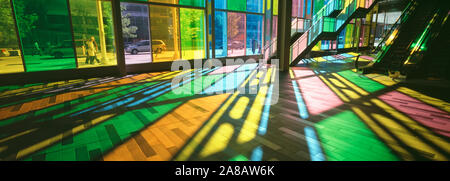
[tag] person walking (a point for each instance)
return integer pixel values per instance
(92, 49)
(36, 49)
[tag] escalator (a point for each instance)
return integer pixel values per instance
(429, 54)
(415, 23)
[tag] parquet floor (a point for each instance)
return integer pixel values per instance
(319, 110)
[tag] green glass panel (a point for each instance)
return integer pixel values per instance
(192, 22)
(93, 31)
(349, 36)
(318, 5)
(237, 5)
(46, 36)
(329, 24)
(162, 1)
(345, 137)
(275, 7)
(10, 56)
(198, 3)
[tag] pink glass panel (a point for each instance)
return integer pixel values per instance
(236, 34)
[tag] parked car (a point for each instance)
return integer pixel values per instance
(158, 46)
(4, 52)
(66, 49)
(144, 46)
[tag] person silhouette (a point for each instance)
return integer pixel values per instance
(92, 49)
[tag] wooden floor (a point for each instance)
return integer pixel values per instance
(319, 110)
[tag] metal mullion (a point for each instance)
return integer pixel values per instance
(165, 4)
(179, 33)
(245, 34)
(73, 34)
(22, 55)
(213, 29)
(118, 36)
(234, 11)
(206, 18)
(150, 33)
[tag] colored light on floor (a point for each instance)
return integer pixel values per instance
(436, 119)
(313, 145)
(106, 135)
(257, 154)
(164, 138)
(251, 124)
(190, 147)
(300, 103)
(229, 83)
(345, 137)
(318, 97)
(219, 140)
(239, 108)
(262, 129)
(362, 81)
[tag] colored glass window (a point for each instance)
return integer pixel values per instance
(220, 28)
(255, 6)
(254, 34)
(45, 34)
(164, 28)
(93, 31)
(295, 8)
(237, 5)
(198, 3)
(236, 34)
(136, 34)
(192, 23)
(220, 4)
(10, 56)
(275, 7)
(341, 38)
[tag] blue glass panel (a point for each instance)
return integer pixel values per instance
(341, 38)
(254, 34)
(309, 7)
(255, 6)
(220, 28)
(220, 4)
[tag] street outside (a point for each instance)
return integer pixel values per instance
(11, 64)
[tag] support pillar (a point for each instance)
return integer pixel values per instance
(118, 36)
(284, 33)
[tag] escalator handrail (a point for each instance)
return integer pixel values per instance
(431, 30)
(396, 25)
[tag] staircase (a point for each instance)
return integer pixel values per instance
(327, 24)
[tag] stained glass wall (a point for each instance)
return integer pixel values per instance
(92, 22)
(358, 33)
(300, 22)
(10, 54)
(45, 34)
(220, 27)
(192, 22)
(136, 33)
(56, 35)
(254, 34)
(238, 27)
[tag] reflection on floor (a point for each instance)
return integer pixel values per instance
(319, 110)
